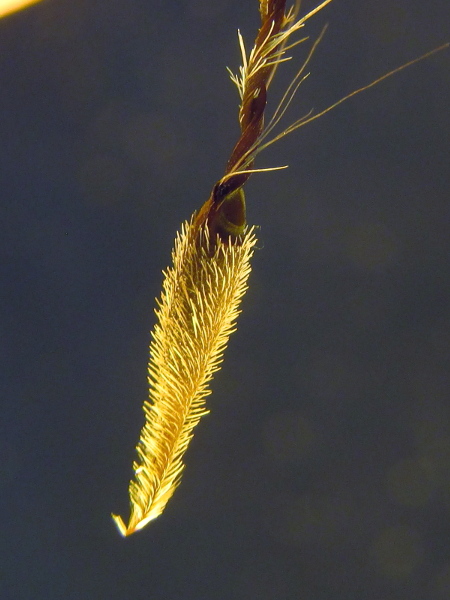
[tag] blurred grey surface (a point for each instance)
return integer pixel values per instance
(323, 470)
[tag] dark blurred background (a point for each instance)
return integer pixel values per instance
(323, 470)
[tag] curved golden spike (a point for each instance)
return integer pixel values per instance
(203, 288)
(201, 294)
(196, 314)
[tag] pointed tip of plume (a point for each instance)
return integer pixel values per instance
(120, 524)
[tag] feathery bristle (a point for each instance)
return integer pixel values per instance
(196, 314)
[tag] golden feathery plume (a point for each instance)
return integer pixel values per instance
(201, 292)
(196, 315)
(203, 288)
